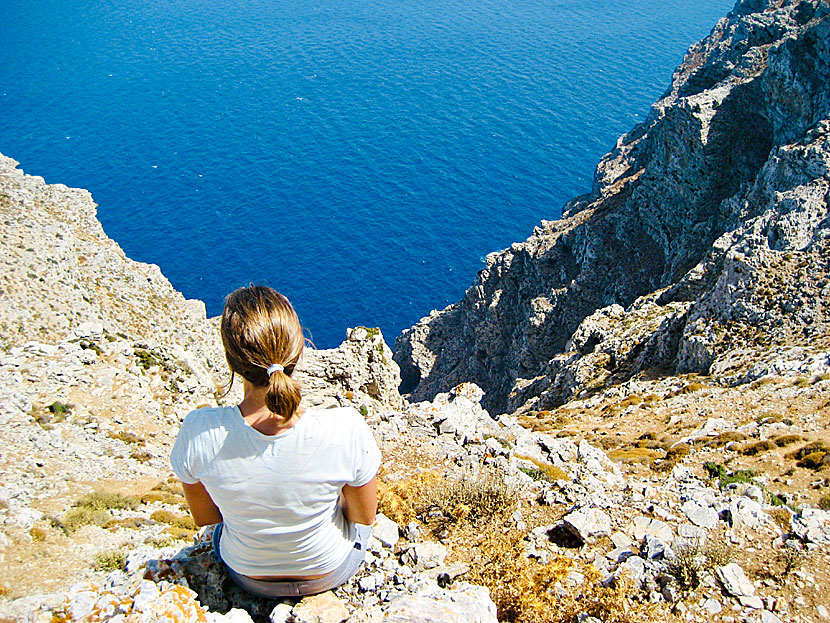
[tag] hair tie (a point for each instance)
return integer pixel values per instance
(274, 367)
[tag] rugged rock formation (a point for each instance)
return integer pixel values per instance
(714, 210)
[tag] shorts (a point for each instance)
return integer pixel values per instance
(279, 588)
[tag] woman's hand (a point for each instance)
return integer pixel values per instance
(360, 504)
(202, 506)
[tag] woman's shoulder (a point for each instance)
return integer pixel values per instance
(207, 417)
(336, 417)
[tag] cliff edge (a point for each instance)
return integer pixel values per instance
(714, 209)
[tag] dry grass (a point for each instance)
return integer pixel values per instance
(726, 438)
(786, 440)
(75, 518)
(544, 471)
(527, 591)
(100, 500)
(173, 519)
(757, 447)
(635, 455)
(110, 561)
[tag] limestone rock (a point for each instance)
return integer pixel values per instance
(466, 604)
(323, 608)
(588, 524)
(735, 581)
(385, 530)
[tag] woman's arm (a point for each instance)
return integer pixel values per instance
(202, 507)
(360, 504)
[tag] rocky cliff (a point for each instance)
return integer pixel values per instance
(707, 222)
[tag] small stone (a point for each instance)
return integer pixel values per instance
(700, 515)
(620, 539)
(588, 523)
(712, 606)
(635, 567)
(822, 612)
(385, 530)
(619, 554)
(237, 615)
(769, 617)
(751, 601)
(280, 614)
(735, 581)
(323, 608)
(148, 592)
(654, 548)
(426, 554)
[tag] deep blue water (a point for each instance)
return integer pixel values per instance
(361, 157)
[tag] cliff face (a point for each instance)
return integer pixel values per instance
(726, 180)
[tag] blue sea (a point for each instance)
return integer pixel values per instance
(360, 156)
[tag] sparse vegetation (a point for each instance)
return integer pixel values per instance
(76, 518)
(100, 500)
(110, 561)
(694, 561)
(815, 455)
(543, 471)
(174, 519)
(757, 447)
(726, 438)
(126, 437)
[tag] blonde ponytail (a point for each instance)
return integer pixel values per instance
(283, 394)
(260, 329)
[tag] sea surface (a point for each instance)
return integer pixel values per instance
(360, 156)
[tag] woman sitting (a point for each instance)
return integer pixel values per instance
(293, 491)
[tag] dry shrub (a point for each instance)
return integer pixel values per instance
(114, 560)
(787, 440)
(689, 388)
(173, 519)
(758, 447)
(781, 516)
(75, 518)
(674, 455)
(176, 533)
(544, 471)
(814, 455)
(403, 500)
(815, 460)
(100, 500)
(527, 591)
(544, 421)
(810, 448)
(725, 438)
(824, 503)
(693, 561)
(127, 437)
(473, 497)
(634, 399)
(635, 455)
(130, 523)
(786, 560)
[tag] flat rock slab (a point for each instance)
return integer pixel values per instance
(323, 608)
(735, 581)
(588, 523)
(699, 514)
(470, 604)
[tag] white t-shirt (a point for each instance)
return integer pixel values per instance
(278, 493)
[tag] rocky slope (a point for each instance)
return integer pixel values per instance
(706, 229)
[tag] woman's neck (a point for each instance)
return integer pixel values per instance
(256, 413)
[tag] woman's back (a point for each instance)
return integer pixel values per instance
(278, 494)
